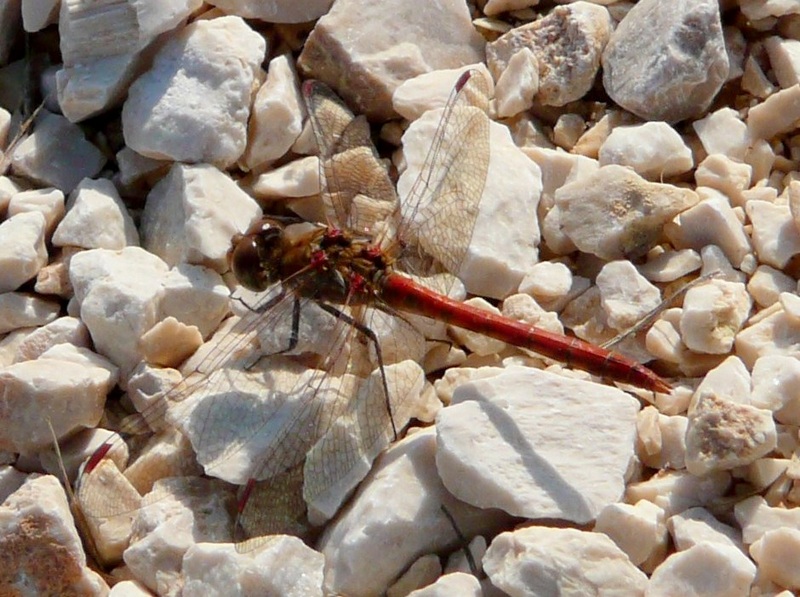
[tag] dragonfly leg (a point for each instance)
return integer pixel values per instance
(370, 335)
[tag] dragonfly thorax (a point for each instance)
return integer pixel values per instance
(341, 264)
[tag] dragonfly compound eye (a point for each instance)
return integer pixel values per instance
(255, 256)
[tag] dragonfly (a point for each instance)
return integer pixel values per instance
(337, 321)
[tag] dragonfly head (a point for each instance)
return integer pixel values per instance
(254, 257)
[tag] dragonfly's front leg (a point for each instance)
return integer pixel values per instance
(372, 337)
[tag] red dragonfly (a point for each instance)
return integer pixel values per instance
(335, 398)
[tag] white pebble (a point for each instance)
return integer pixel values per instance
(697, 525)
(775, 236)
(778, 556)
(723, 132)
(22, 249)
(713, 312)
(96, 218)
(704, 569)
(541, 561)
(178, 110)
(654, 150)
(639, 530)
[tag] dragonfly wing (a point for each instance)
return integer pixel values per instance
(350, 170)
(440, 208)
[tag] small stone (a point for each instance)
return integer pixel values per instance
(676, 491)
(56, 154)
(756, 518)
(96, 218)
(275, 11)
(567, 130)
(654, 150)
(125, 283)
(713, 313)
(775, 334)
(675, 71)
(457, 583)
(177, 110)
(775, 382)
(777, 114)
(726, 176)
(784, 56)
(277, 115)
(767, 283)
(481, 466)
(362, 67)
(72, 393)
(697, 525)
(134, 168)
(50, 202)
(704, 569)
(398, 514)
(541, 561)
(723, 435)
(108, 504)
(661, 439)
(42, 551)
(625, 295)
(639, 530)
(567, 44)
(551, 284)
(616, 214)
(22, 249)
(669, 266)
(775, 237)
(755, 81)
(192, 214)
(777, 554)
(23, 310)
(711, 222)
(69, 330)
(761, 9)
(279, 565)
(180, 512)
(298, 178)
(38, 15)
(518, 84)
(430, 91)
(723, 132)
(103, 49)
(170, 342)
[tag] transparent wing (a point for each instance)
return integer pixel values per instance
(356, 188)
(439, 211)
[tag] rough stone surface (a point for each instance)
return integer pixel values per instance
(42, 552)
(103, 48)
(20, 310)
(674, 72)
(639, 530)
(712, 221)
(723, 435)
(162, 118)
(541, 561)
(362, 62)
(57, 154)
(567, 44)
(704, 569)
(494, 442)
(277, 115)
(72, 393)
(654, 150)
(279, 565)
(712, 315)
(615, 214)
(396, 513)
(22, 249)
(192, 214)
(96, 219)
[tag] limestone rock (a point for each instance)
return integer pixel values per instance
(676, 69)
